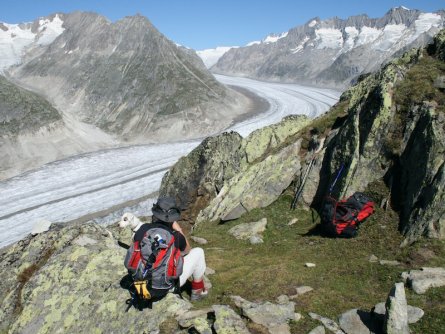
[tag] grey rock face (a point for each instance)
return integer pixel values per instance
(333, 51)
(422, 280)
(371, 137)
(127, 79)
(396, 319)
(209, 171)
(318, 330)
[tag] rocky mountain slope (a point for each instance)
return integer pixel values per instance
(111, 84)
(391, 130)
(335, 51)
(127, 79)
(33, 132)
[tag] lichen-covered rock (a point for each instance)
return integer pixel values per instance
(257, 187)
(196, 179)
(227, 321)
(272, 316)
(246, 231)
(261, 141)
(396, 319)
(60, 278)
(197, 320)
(405, 146)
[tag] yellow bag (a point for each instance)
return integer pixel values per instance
(141, 289)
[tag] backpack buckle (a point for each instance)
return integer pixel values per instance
(142, 289)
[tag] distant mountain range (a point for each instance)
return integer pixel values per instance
(112, 83)
(332, 52)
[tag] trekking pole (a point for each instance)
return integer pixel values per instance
(303, 181)
(336, 179)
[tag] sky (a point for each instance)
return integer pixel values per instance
(203, 24)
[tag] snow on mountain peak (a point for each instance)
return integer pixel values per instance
(274, 38)
(15, 38)
(211, 56)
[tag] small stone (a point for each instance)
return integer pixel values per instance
(373, 258)
(283, 299)
(301, 290)
(292, 222)
(255, 240)
(41, 226)
(199, 240)
(298, 316)
(389, 263)
(209, 271)
(309, 265)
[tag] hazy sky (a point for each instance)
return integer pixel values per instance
(202, 24)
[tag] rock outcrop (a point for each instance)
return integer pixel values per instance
(223, 171)
(393, 132)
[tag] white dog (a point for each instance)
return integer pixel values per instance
(131, 221)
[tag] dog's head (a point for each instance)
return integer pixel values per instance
(130, 220)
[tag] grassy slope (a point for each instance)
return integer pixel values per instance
(343, 277)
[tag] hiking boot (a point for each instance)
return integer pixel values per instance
(198, 294)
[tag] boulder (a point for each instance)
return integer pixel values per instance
(257, 187)
(396, 319)
(246, 231)
(196, 179)
(227, 321)
(328, 323)
(414, 313)
(56, 280)
(272, 316)
(421, 280)
(197, 320)
(356, 322)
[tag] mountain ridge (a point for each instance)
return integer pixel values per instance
(333, 52)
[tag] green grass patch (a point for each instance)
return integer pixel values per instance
(419, 85)
(343, 277)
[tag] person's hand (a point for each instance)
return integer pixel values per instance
(177, 227)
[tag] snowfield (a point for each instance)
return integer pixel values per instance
(104, 184)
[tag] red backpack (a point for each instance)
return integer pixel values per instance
(342, 218)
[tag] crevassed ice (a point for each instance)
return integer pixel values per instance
(367, 35)
(329, 38)
(50, 30)
(12, 43)
(390, 35)
(352, 33)
(17, 38)
(426, 21)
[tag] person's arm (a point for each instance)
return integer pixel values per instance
(177, 227)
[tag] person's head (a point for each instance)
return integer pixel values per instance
(165, 210)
